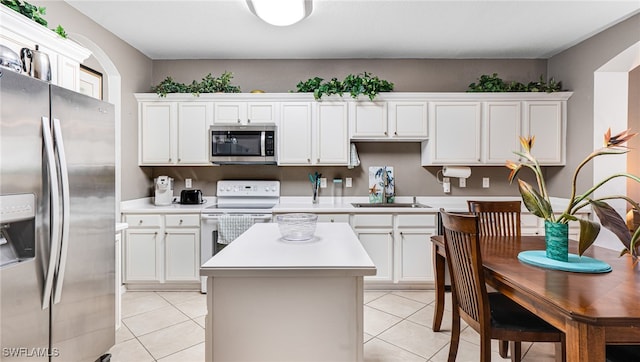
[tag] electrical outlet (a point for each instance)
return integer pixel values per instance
(463, 182)
(323, 182)
(348, 182)
(187, 183)
(446, 185)
(485, 182)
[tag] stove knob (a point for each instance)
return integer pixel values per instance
(273, 188)
(228, 188)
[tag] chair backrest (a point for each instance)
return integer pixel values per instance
(497, 218)
(462, 247)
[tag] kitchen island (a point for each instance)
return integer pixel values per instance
(271, 299)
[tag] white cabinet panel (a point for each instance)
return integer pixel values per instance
(502, 131)
(332, 134)
(142, 255)
(156, 139)
(194, 120)
(544, 120)
(408, 120)
(244, 112)
(369, 119)
(456, 128)
(182, 256)
(295, 134)
(415, 264)
(379, 246)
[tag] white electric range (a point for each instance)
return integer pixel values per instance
(252, 198)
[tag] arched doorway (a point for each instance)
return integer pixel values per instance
(610, 109)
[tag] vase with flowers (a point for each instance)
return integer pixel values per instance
(537, 201)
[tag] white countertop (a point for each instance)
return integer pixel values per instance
(334, 250)
(289, 204)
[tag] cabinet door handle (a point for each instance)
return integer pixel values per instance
(248, 120)
(395, 133)
(140, 222)
(332, 220)
(180, 221)
(318, 160)
(385, 133)
(179, 159)
(308, 160)
(156, 233)
(401, 234)
(169, 159)
(238, 120)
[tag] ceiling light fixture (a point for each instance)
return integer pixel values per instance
(281, 12)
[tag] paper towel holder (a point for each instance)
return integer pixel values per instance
(456, 171)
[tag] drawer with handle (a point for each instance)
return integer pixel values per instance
(143, 221)
(182, 220)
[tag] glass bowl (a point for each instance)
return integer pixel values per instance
(298, 226)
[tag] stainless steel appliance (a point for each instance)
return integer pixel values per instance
(240, 144)
(163, 191)
(249, 198)
(57, 216)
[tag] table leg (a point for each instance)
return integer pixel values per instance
(585, 342)
(438, 311)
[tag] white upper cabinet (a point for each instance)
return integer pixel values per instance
(368, 120)
(546, 120)
(295, 133)
(388, 120)
(332, 134)
(484, 129)
(65, 55)
(456, 133)
(174, 133)
(502, 131)
(313, 133)
(244, 112)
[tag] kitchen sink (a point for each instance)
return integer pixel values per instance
(395, 204)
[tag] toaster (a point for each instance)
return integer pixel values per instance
(191, 197)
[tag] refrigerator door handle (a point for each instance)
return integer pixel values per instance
(64, 178)
(55, 238)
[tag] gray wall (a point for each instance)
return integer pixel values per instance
(408, 75)
(576, 67)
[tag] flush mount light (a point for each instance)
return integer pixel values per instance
(281, 12)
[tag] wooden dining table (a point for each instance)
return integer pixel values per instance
(591, 309)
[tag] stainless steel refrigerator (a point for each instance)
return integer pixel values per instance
(57, 223)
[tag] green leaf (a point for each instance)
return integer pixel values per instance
(610, 219)
(533, 201)
(589, 230)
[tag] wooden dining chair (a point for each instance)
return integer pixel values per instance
(497, 218)
(492, 315)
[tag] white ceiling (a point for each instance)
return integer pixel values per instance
(226, 29)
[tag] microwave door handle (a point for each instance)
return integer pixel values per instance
(263, 151)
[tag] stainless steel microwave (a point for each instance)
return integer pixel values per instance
(242, 145)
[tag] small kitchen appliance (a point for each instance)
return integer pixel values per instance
(163, 191)
(36, 63)
(191, 197)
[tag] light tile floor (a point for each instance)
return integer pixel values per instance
(169, 326)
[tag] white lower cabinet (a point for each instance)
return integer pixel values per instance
(399, 245)
(162, 251)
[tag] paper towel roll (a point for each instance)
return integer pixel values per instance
(456, 171)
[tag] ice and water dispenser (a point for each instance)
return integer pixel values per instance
(17, 228)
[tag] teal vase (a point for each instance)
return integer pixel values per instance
(556, 237)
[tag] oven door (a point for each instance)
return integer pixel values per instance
(209, 245)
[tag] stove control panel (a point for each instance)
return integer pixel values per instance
(257, 188)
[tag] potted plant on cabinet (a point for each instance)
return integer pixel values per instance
(556, 227)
